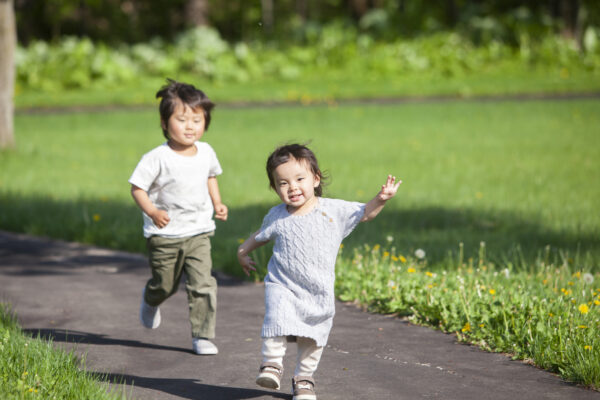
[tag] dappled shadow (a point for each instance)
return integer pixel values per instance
(69, 336)
(437, 230)
(189, 388)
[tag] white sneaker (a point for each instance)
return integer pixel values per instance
(204, 347)
(149, 315)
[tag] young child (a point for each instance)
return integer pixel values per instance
(176, 187)
(307, 230)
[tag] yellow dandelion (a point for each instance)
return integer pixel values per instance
(430, 286)
(394, 258)
(402, 259)
(545, 281)
(582, 326)
(492, 291)
(587, 347)
(481, 325)
(550, 314)
(584, 309)
(577, 274)
(411, 270)
(597, 302)
(570, 283)
(342, 246)
(429, 274)
(466, 328)
(386, 254)
(376, 247)
(97, 217)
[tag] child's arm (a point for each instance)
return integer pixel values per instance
(373, 207)
(246, 248)
(213, 190)
(159, 217)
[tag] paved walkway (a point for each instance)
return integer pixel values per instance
(88, 297)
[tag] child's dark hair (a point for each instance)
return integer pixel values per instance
(299, 152)
(188, 95)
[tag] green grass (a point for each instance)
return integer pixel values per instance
(546, 312)
(327, 86)
(33, 368)
(510, 174)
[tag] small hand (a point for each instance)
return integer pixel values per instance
(389, 189)
(221, 211)
(160, 218)
(247, 264)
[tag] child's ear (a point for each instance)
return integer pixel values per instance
(317, 181)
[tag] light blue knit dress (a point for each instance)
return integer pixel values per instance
(299, 286)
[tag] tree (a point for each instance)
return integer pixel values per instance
(196, 12)
(8, 42)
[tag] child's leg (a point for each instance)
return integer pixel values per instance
(166, 262)
(309, 355)
(271, 369)
(273, 349)
(201, 286)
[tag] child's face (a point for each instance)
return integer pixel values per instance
(295, 184)
(185, 126)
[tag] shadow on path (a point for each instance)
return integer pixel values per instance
(66, 336)
(189, 388)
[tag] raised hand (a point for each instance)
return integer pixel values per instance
(389, 189)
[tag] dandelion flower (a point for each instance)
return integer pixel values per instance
(389, 238)
(506, 272)
(492, 291)
(429, 274)
(402, 259)
(97, 217)
(386, 254)
(584, 309)
(376, 247)
(597, 302)
(582, 326)
(394, 258)
(420, 254)
(587, 347)
(466, 328)
(588, 278)
(577, 274)
(411, 270)
(481, 325)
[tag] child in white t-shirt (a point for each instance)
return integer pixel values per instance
(175, 185)
(307, 231)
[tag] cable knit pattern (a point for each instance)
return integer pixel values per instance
(299, 286)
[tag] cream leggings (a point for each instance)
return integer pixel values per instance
(309, 354)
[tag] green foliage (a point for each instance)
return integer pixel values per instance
(547, 312)
(32, 368)
(333, 50)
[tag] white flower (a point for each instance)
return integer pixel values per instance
(389, 238)
(420, 254)
(506, 272)
(588, 278)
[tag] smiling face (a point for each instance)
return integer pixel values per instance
(295, 184)
(185, 127)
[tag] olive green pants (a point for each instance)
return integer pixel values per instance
(169, 258)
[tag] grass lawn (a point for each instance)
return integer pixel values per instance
(325, 86)
(512, 174)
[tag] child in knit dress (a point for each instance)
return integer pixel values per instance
(307, 231)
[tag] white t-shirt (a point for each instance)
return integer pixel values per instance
(178, 185)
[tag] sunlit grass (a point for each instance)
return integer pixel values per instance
(547, 312)
(31, 368)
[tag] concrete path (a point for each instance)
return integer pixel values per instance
(88, 297)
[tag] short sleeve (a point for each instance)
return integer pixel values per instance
(214, 167)
(267, 229)
(145, 172)
(352, 213)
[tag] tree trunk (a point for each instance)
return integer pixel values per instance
(569, 10)
(8, 42)
(268, 18)
(196, 12)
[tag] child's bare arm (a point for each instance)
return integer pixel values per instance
(388, 190)
(221, 210)
(245, 249)
(159, 217)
